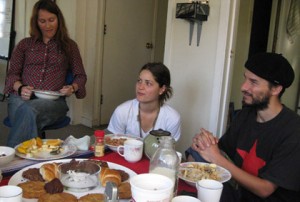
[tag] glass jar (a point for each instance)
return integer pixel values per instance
(99, 143)
(165, 160)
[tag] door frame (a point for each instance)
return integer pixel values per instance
(224, 66)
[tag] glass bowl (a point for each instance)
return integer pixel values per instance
(79, 176)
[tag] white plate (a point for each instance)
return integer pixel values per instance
(68, 150)
(224, 174)
(47, 94)
(17, 178)
(117, 136)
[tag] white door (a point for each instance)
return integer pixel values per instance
(129, 27)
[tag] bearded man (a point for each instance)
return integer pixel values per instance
(263, 140)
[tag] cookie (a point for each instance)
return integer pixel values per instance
(32, 189)
(33, 174)
(58, 197)
(92, 198)
(124, 190)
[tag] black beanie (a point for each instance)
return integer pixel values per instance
(272, 67)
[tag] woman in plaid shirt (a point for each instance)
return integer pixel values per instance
(42, 61)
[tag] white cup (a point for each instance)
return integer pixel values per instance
(10, 193)
(151, 187)
(184, 198)
(132, 150)
(209, 190)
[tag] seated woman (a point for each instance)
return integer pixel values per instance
(148, 111)
(41, 61)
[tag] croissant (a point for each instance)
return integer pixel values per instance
(49, 171)
(110, 175)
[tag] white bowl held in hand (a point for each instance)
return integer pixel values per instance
(47, 94)
(7, 154)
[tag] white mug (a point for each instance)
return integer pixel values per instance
(132, 150)
(10, 193)
(209, 190)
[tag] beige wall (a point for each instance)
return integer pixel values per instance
(198, 72)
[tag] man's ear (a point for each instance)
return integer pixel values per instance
(277, 89)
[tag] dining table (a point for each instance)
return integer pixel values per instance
(139, 167)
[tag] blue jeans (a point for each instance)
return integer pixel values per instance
(28, 118)
(197, 157)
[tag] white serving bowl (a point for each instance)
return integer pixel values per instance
(7, 154)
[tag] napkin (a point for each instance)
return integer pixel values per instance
(81, 143)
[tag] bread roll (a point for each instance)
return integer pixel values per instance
(49, 171)
(109, 175)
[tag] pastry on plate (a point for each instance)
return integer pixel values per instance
(49, 171)
(124, 190)
(110, 175)
(67, 197)
(92, 198)
(32, 189)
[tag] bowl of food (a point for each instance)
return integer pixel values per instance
(7, 154)
(112, 141)
(79, 176)
(191, 172)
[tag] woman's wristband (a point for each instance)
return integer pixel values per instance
(20, 89)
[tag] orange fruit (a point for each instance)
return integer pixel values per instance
(29, 143)
(39, 142)
(22, 149)
(53, 142)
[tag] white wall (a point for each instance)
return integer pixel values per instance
(197, 72)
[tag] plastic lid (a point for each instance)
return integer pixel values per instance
(99, 133)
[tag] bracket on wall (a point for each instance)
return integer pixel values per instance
(194, 12)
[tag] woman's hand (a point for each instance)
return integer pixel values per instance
(67, 90)
(26, 92)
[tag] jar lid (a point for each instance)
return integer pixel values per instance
(160, 132)
(99, 133)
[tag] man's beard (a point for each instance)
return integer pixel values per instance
(258, 104)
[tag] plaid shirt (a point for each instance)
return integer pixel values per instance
(44, 67)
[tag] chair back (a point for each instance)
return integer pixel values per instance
(69, 77)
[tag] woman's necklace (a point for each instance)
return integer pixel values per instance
(140, 121)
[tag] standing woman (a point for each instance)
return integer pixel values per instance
(42, 61)
(148, 111)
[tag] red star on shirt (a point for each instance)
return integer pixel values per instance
(251, 163)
